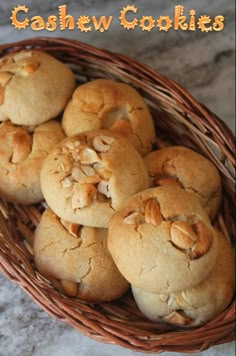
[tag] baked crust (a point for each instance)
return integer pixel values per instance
(106, 104)
(145, 235)
(196, 305)
(88, 176)
(193, 172)
(22, 153)
(38, 84)
(80, 260)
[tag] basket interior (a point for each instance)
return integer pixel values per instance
(179, 119)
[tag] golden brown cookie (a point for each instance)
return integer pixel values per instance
(22, 153)
(78, 259)
(197, 305)
(106, 104)
(181, 166)
(34, 87)
(88, 176)
(162, 239)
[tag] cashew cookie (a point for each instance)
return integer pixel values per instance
(181, 166)
(197, 305)
(34, 87)
(106, 104)
(22, 153)
(85, 178)
(76, 260)
(162, 239)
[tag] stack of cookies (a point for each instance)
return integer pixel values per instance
(180, 267)
(31, 97)
(119, 213)
(84, 180)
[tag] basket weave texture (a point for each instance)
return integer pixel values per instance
(178, 118)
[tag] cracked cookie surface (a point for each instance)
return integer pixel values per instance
(197, 305)
(162, 239)
(77, 262)
(87, 177)
(106, 104)
(34, 87)
(22, 153)
(181, 166)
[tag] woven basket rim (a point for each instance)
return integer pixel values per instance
(106, 323)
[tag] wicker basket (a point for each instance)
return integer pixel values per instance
(178, 118)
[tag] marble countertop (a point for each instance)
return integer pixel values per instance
(201, 62)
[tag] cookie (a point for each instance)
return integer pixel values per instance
(78, 259)
(162, 239)
(197, 305)
(34, 87)
(88, 176)
(177, 165)
(22, 153)
(106, 104)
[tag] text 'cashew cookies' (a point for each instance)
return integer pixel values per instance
(21, 157)
(181, 166)
(85, 178)
(106, 104)
(162, 239)
(194, 306)
(34, 87)
(76, 259)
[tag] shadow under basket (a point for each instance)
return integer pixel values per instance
(179, 119)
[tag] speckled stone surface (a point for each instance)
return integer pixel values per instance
(201, 62)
